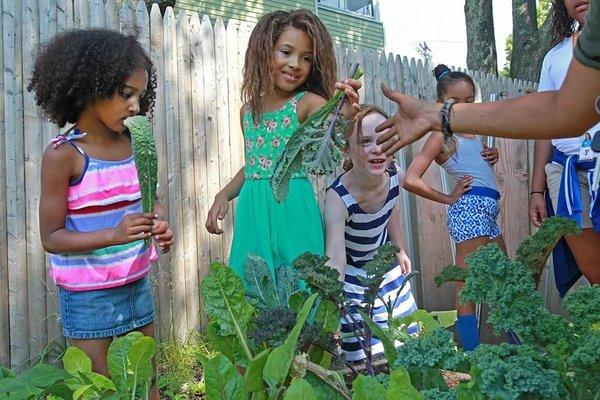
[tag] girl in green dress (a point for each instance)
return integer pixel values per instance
(289, 72)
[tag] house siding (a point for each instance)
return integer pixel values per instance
(346, 28)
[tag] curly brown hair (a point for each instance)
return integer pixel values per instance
(365, 109)
(258, 78)
(79, 65)
(563, 25)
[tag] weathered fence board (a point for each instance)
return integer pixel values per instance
(200, 146)
(4, 301)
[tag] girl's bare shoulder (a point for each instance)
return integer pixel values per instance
(308, 104)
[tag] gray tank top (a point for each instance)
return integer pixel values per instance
(468, 161)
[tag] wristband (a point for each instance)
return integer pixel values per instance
(536, 191)
(445, 122)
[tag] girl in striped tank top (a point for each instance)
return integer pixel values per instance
(361, 214)
(91, 219)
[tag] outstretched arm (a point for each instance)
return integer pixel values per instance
(553, 114)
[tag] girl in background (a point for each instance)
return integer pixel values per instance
(474, 204)
(361, 214)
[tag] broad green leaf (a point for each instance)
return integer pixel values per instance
(101, 382)
(253, 380)
(445, 318)
(61, 391)
(323, 390)
(12, 385)
(328, 316)
(287, 283)
(224, 302)
(388, 342)
(300, 390)
(400, 387)
(75, 360)
(296, 300)
(259, 282)
(432, 378)
(140, 358)
(146, 160)
(259, 396)
(279, 361)
(222, 380)
(43, 375)
(229, 346)
(82, 391)
(22, 394)
(118, 363)
(367, 388)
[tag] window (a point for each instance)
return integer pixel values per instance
(364, 7)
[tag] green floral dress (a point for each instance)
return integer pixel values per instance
(277, 232)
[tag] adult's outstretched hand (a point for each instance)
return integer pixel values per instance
(411, 122)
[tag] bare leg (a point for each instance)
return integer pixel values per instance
(583, 246)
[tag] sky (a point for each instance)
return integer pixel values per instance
(440, 23)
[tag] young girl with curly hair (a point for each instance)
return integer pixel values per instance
(91, 219)
(289, 72)
(474, 202)
(562, 174)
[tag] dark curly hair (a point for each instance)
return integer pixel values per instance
(79, 65)
(257, 65)
(563, 25)
(446, 77)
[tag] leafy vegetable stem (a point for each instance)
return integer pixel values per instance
(237, 327)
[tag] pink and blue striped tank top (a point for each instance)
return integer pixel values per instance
(105, 192)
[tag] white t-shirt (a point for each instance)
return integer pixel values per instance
(554, 69)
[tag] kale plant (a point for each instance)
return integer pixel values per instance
(146, 161)
(323, 279)
(316, 145)
(559, 357)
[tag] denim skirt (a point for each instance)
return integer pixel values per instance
(105, 313)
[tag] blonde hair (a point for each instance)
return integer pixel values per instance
(365, 109)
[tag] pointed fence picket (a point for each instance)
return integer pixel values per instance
(199, 64)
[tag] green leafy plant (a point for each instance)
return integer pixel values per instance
(272, 371)
(323, 279)
(179, 374)
(129, 364)
(559, 357)
(146, 161)
(316, 145)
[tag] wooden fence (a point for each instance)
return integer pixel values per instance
(200, 147)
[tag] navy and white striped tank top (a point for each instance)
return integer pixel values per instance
(364, 234)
